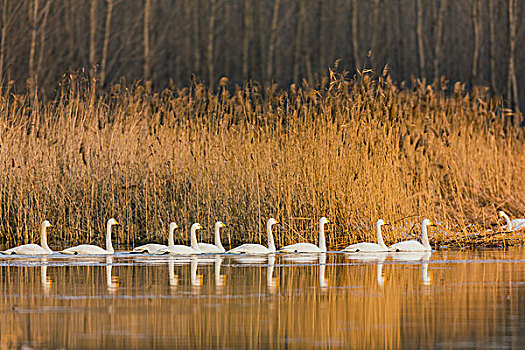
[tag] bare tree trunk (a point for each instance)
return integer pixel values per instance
(401, 36)
(439, 39)
(32, 49)
(33, 14)
(107, 31)
(196, 39)
(92, 34)
(211, 37)
(272, 42)
(419, 34)
(147, 14)
(298, 41)
(355, 39)
(476, 29)
(246, 38)
(512, 89)
(492, 46)
(375, 29)
(43, 37)
(3, 38)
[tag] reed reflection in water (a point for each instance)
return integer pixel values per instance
(474, 299)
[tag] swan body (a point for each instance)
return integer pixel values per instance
(370, 247)
(217, 247)
(183, 249)
(512, 225)
(250, 248)
(309, 247)
(154, 247)
(413, 245)
(33, 249)
(88, 249)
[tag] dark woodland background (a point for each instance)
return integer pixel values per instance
(478, 42)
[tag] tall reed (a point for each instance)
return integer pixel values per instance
(351, 150)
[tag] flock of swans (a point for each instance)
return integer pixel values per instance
(247, 248)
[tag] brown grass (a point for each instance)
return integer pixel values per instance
(351, 150)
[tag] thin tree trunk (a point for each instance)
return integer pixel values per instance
(196, 39)
(476, 29)
(147, 14)
(246, 38)
(419, 34)
(32, 48)
(33, 13)
(355, 39)
(3, 38)
(298, 42)
(375, 29)
(439, 39)
(43, 37)
(272, 42)
(492, 46)
(107, 31)
(92, 34)
(211, 37)
(401, 43)
(512, 81)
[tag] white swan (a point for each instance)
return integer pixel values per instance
(512, 225)
(370, 247)
(217, 247)
(153, 247)
(88, 249)
(413, 245)
(309, 247)
(183, 249)
(250, 248)
(33, 249)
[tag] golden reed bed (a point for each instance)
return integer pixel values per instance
(353, 150)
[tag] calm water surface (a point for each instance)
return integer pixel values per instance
(443, 300)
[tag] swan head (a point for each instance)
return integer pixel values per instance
(197, 226)
(323, 221)
(46, 224)
(501, 214)
(427, 222)
(173, 226)
(220, 224)
(272, 222)
(112, 222)
(380, 223)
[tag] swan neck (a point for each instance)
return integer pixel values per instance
(507, 219)
(271, 243)
(193, 239)
(43, 238)
(380, 237)
(424, 237)
(322, 240)
(109, 246)
(218, 242)
(171, 241)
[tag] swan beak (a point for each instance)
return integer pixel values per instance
(328, 222)
(431, 224)
(386, 224)
(200, 226)
(50, 225)
(116, 223)
(224, 225)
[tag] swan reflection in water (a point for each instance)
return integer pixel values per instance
(378, 257)
(323, 281)
(271, 282)
(173, 278)
(112, 282)
(220, 280)
(44, 280)
(424, 257)
(196, 280)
